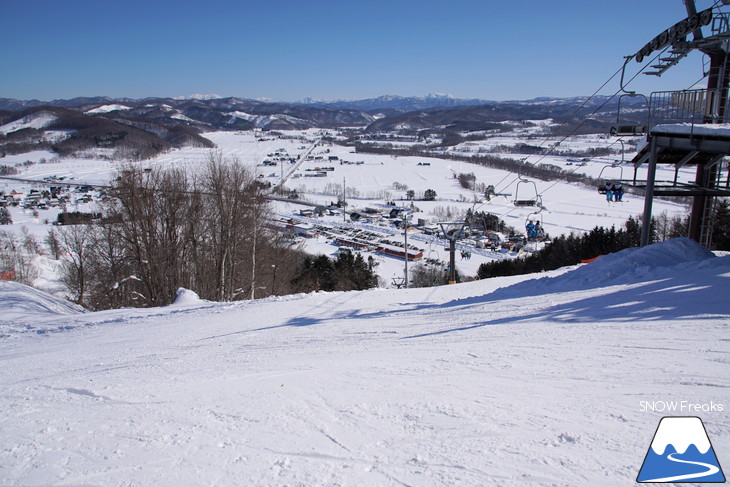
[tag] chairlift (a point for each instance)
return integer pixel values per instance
(619, 130)
(628, 130)
(616, 164)
(433, 255)
(398, 282)
(532, 200)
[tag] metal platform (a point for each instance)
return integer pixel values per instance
(701, 145)
(671, 188)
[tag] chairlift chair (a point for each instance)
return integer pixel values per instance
(620, 130)
(535, 200)
(628, 130)
(433, 255)
(616, 164)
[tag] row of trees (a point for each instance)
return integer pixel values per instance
(541, 172)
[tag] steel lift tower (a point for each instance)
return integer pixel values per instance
(682, 128)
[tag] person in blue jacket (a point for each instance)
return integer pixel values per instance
(530, 229)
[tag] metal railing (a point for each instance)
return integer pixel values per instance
(720, 25)
(687, 106)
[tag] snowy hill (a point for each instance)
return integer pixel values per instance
(531, 380)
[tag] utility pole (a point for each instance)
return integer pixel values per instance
(405, 247)
(253, 250)
(344, 203)
(273, 280)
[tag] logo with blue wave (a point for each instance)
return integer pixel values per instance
(681, 452)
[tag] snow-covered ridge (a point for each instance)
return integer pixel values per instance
(107, 108)
(180, 116)
(261, 121)
(37, 120)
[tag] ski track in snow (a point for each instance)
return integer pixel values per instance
(520, 381)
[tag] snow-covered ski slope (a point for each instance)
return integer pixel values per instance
(525, 381)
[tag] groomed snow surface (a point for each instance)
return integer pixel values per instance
(533, 380)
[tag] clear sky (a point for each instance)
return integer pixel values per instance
(287, 50)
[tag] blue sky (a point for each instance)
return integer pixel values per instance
(291, 49)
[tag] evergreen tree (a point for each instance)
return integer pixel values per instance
(348, 272)
(679, 227)
(352, 272)
(5, 218)
(633, 232)
(721, 231)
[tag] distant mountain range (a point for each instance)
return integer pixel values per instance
(141, 128)
(400, 103)
(205, 113)
(122, 128)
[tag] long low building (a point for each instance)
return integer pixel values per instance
(400, 252)
(354, 243)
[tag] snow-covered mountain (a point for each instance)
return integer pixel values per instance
(399, 103)
(522, 381)
(199, 96)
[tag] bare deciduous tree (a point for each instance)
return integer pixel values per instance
(16, 263)
(76, 241)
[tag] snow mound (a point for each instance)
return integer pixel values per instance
(22, 305)
(634, 265)
(641, 261)
(186, 297)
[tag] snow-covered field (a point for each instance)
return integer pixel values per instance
(538, 380)
(567, 207)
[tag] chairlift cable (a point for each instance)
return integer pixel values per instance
(586, 118)
(647, 64)
(569, 117)
(619, 139)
